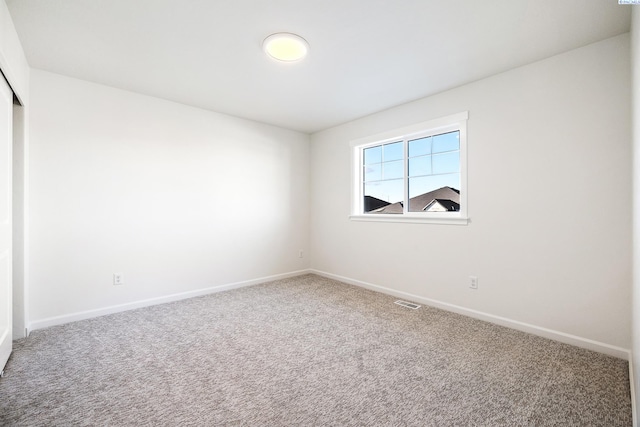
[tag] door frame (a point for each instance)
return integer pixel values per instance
(20, 223)
(20, 320)
(6, 224)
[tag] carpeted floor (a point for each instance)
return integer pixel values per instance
(305, 351)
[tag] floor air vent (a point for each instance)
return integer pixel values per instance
(407, 304)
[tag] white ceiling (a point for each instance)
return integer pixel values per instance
(366, 55)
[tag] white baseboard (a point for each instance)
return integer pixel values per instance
(73, 317)
(586, 343)
(608, 349)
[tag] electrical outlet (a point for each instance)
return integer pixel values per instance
(473, 282)
(300, 253)
(117, 279)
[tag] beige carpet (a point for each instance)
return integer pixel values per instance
(305, 351)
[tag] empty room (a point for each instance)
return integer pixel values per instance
(319, 213)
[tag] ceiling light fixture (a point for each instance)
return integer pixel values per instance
(286, 47)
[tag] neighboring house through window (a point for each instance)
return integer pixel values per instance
(417, 173)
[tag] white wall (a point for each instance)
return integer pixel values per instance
(172, 197)
(635, 121)
(556, 132)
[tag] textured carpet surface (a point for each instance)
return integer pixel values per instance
(305, 351)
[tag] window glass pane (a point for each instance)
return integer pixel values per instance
(420, 166)
(373, 155)
(446, 142)
(373, 172)
(388, 191)
(426, 184)
(420, 147)
(375, 205)
(393, 151)
(392, 170)
(442, 188)
(447, 162)
(418, 186)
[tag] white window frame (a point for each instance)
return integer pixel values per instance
(455, 122)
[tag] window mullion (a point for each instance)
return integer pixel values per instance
(361, 172)
(405, 144)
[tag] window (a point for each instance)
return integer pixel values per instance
(414, 174)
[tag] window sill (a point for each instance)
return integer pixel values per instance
(412, 219)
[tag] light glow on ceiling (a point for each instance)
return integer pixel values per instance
(286, 47)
